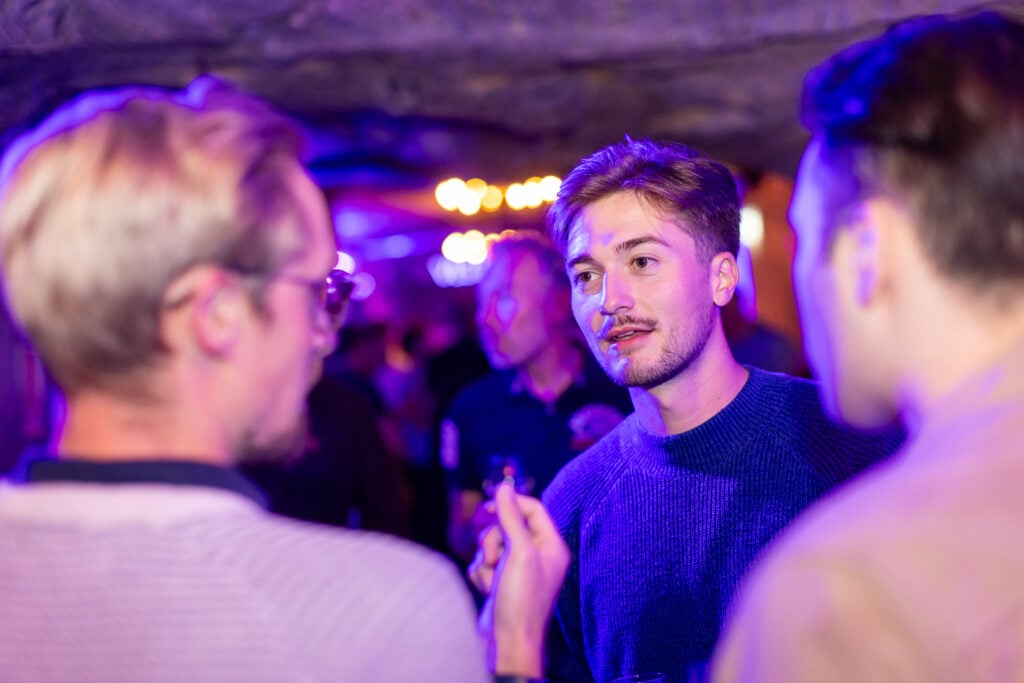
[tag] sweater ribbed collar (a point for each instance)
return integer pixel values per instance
(715, 444)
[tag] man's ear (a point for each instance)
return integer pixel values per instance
(725, 275)
(878, 228)
(867, 266)
(204, 311)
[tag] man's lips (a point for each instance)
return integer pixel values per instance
(623, 333)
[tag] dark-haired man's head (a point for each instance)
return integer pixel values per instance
(676, 180)
(923, 126)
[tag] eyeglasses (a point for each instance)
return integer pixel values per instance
(332, 293)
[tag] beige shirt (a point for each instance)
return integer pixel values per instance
(914, 572)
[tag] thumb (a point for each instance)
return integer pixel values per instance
(513, 524)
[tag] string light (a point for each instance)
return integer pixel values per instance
(751, 227)
(468, 197)
(491, 201)
(515, 196)
(448, 193)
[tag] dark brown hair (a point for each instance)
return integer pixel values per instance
(932, 113)
(698, 193)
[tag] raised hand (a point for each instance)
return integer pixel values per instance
(520, 564)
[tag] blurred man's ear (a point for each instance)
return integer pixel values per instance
(725, 276)
(876, 231)
(867, 265)
(203, 311)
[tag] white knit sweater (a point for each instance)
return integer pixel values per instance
(156, 582)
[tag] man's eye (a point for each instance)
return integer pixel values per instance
(643, 262)
(584, 277)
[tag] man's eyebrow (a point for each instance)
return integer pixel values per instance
(620, 248)
(638, 242)
(586, 259)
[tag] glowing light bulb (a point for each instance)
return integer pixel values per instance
(549, 186)
(534, 198)
(491, 200)
(452, 248)
(477, 186)
(475, 247)
(469, 203)
(751, 226)
(515, 196)
(449, 192)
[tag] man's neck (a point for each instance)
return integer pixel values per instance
(693, 396)
(105, 428)
(552, 371)
(973, 340)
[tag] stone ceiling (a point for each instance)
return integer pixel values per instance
(405, 92)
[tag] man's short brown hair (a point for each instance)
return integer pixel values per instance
(932, 114)
(692, 190)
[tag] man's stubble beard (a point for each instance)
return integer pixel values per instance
(283, 447)
(681, 351)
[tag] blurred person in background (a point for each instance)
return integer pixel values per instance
(546, 400)
(451, 359)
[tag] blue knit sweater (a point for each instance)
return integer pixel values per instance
(662, 528)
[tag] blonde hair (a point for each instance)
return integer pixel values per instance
(115, 195)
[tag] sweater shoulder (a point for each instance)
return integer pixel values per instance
(801, 424)
(585, 479)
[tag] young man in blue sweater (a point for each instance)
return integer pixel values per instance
(665, 514)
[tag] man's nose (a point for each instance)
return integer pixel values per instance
(615, 294)
(487, 313)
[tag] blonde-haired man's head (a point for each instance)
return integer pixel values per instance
(118, 193)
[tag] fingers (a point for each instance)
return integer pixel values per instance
(524, 519)
(526, 530)
(526, 581)
(481, 575)
(489, 549)
(510, 517)
(490, 544)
